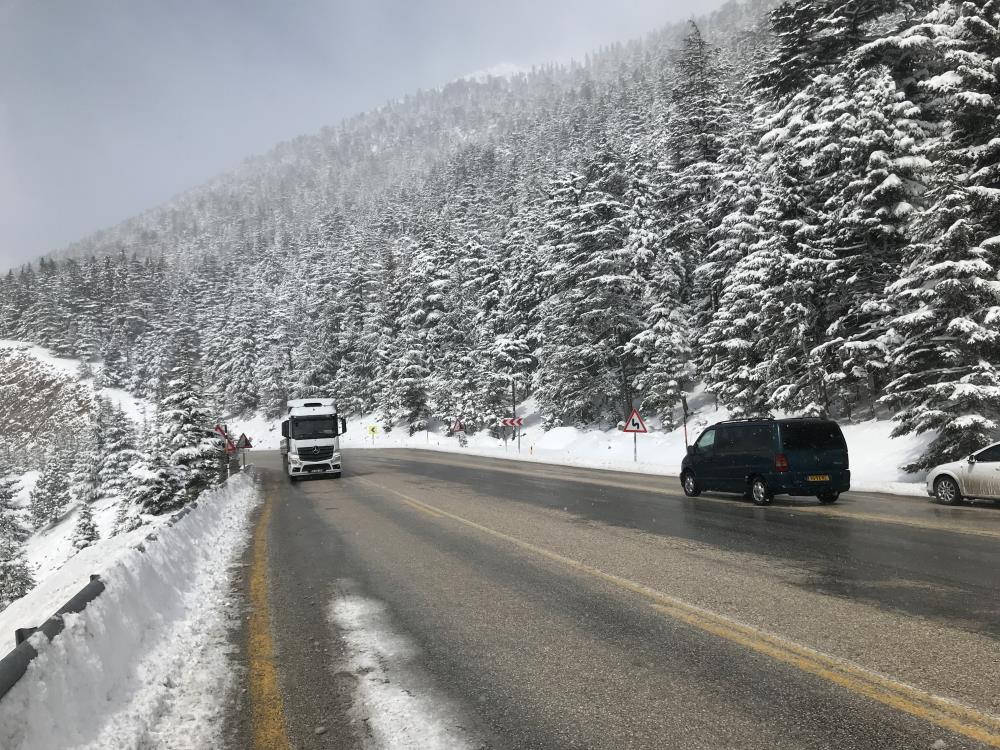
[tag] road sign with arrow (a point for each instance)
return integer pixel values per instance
(635, 423)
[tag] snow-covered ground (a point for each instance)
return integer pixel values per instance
(133, 406)
(875, 456)
(146, 663)
(48, 549)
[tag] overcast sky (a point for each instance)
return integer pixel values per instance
(108, 107)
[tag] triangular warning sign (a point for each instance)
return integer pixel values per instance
(244, 442)
(634, 423)
(458, 426)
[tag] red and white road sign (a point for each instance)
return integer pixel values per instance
(458, 426)
(635, 423)
(227, 441)
(244, 442)
(512, 421)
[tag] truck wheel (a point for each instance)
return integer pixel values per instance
(946, 491)
(690, 484)
(760, 492)
(827, 498)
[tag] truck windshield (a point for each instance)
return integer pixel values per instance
(313, 428)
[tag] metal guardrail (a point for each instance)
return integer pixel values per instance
(14, 665)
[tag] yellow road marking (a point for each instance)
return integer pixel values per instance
(816, 510)
(944, 712)
(267, 715)
(423, 509)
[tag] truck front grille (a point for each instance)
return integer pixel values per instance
(316, 453)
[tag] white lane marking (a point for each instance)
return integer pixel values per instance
(394, 697)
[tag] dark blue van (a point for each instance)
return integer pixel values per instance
(761, 458)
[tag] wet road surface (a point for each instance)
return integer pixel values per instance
(501, 604)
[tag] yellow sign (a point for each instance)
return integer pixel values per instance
(373, 430)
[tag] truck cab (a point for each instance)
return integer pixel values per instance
(311, 438)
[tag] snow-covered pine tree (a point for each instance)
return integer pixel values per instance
(157, 484)
(696, 135)
(11, 523)
(662, 348)
(51, 494)
(186, 428)
(16, 577)
(948, 321)
(85, 533)
(120, 451)
(869, 225)
(236, 372)
(585, 369)
(15, 573)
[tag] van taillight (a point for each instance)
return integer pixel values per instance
(781, 462)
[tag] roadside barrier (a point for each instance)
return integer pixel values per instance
(14, 665)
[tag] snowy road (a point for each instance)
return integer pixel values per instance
(430, 600)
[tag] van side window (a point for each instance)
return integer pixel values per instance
(726, 440)
(811, 436)
(758, 440)
(707, 440)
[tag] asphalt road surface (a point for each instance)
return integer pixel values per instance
(438, 600)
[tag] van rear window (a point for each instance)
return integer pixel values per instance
(811, 436)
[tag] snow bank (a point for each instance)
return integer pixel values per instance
(396, 700)
(146, 663)
(875, 456)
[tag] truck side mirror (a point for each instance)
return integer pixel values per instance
(691, 450)
(972, 459)
(343, 425)
(284, 429)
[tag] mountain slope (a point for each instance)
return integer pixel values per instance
(766, 206)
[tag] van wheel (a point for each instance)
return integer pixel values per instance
(690, 485)
(760, 493)
(946, 491)
(827, 498)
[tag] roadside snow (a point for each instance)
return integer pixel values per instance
(395, 699)
(145, 664)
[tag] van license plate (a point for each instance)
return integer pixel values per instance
(819, 477)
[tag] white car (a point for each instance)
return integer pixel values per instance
(976, 476)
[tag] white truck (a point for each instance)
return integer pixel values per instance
(310, 438)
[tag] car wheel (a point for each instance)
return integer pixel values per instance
(690, 484)
(946, 491)
(760, 492)
(828, 498)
